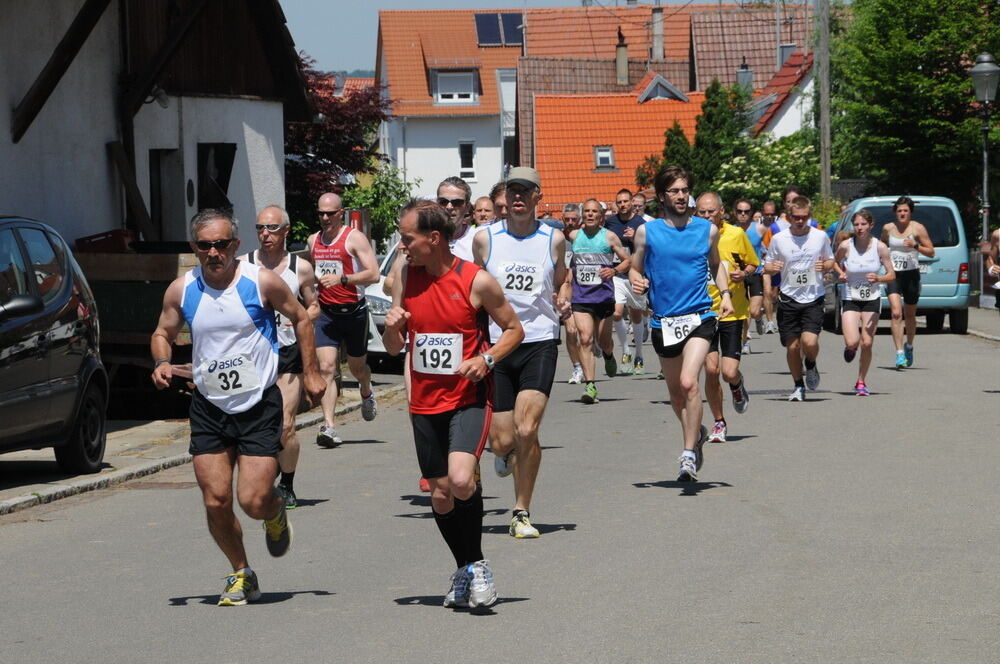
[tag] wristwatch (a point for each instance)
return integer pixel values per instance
(488, 359)
(724, 291)
(343, 280)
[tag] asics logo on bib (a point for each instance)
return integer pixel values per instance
(519, 268)
(222, 365)
(435, 341)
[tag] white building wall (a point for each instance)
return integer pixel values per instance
(796, 113)
(60, 172)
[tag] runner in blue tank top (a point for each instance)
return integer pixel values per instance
(673, 258)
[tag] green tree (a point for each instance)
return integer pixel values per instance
(720, 132)
(903, 103)
(676, 150)
(767, 167)
(383, 197)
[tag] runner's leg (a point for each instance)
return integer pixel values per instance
(214, 472)
(329, 368)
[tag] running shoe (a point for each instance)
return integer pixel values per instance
(759, 326)
(482, 591)
(771, 327)
(327, 437)
(659, 376)
(369, 409)
(589, 394)
(812, 377)
(639, 368)
(502, 464)
(576, 377)
(746, 347)
(278, 533)
(798, 394)
(749, 335)
(741, 398)
(900, 359)
(626, 359)
(718, 434)
(610, 366)
(908, 352)
(288, 495)
(520, 526)
(424, 485)
(241, 589)
(458, 594)
(699, 447)
(861, 390)
(689, 471)
(849, 354)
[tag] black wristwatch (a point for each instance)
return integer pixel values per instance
(343, 280)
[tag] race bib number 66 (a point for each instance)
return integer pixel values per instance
(437, 353)
(676, 329)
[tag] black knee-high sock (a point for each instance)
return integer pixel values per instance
(288, 479)
(451, 530)
(469, 514)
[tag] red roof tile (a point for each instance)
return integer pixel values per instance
(354, 84)
(791, 75)
(568, 127)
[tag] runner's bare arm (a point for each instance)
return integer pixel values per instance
(394, 336)
(886, 259)
(560, 298)
(839, 258)
(636, 274)
(717, 266)
(925, 246)
(486, 293)
(623, 256)
(166, 331)
(359, 245)
(307, 287)
(397, 265)
(480, 248)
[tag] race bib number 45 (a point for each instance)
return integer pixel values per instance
(588, 275)
(678, 328)
(229, 376)
(803, 277)
(437, 353)
(324, 268)
(520, 278)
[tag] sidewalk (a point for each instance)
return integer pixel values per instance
(134, 449)
(984, 323)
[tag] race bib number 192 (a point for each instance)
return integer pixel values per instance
(437, 353)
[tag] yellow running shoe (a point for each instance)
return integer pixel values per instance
(241, 589)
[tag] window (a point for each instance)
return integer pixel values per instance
(456, 87)
(215, 165)
(48, 268)
(604, 157)
(12, 271)
(467, 161)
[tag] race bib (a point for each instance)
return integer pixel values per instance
(324, 268)
(863, 291)
(802, 277)
(678, 328)
(437, 353)
(231, 375)
(521, 278)
(588, 275)
(902, 261)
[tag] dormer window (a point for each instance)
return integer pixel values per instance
(456, 87)
(604, 157)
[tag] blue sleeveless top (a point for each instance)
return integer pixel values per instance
(676, 264)
(757, 242)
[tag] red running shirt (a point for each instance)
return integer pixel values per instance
(336, 259)
(444, 330)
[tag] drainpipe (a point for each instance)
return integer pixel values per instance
(405, 177)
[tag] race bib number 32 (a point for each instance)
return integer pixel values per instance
(678, 328)
(229, 376)
(437, 353)
(588, 275)
(520, 278)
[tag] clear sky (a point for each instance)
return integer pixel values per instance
(341, 34)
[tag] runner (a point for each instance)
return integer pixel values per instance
(857, 262)
(769, 214)
(801, 255)
(229, 306)
(754, 230)
(272, 232)
(528, 259)
(498, 194)
(437, 309)
(672, 257)
(344, 264)
(907, 240)
(991, 250)
(639, 206)
(593, 292)
(571, 221)
(623, 225)
(482, 213)
(738, 255)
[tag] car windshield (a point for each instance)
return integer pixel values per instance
(939, 221)
(387, 265)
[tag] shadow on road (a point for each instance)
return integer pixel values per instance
(543, 528)
(430, 515)
(687, 488)
(367, 441)
(265, 598)
(25, 473)
(438, 601)
(309, 502)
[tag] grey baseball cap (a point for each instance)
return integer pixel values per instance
(525, 176)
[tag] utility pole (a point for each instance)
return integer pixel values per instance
(823, 74)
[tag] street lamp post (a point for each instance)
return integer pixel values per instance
(985, 76)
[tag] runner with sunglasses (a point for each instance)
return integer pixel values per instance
(743, 217)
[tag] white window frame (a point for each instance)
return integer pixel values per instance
(466, 95)
(601, 150)
(467, 174)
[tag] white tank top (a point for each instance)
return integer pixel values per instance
(525, 270)
(462, 247)
(857, 266)
(286, 332)
(903, 258)
(234, 339)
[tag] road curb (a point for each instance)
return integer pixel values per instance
(94, 483)
(983, 335)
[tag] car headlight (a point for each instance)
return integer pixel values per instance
(379, 306)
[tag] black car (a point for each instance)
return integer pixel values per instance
(53, 386)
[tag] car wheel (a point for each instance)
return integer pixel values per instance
(84, 452)
(935, 321)
(958, 321)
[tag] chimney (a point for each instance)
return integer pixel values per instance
(784, 50)
(656, 52)
(744, 76)
(621, 59)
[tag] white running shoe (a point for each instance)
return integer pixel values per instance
(327, 437)
(458, 594)
(482, 590)
(520, 526)
(798, 394)
(502, 464)
(576, 377)
(688, 472)
(369, 409)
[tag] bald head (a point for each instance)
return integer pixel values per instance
(272, 214)
(709, 206)
(330, 201)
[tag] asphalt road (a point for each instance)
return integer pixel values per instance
(838, 529)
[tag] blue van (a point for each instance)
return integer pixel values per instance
(944, 279)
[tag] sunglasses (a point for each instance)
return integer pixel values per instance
(674, 192)
(455, 202)
(218, 245)
(270, 228)
(328, 213)
(739, 211)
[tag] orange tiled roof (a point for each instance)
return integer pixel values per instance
(412, 42)
(565, 141)
(355, 84)
(794, 71)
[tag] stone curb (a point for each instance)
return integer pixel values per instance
(991, 337)
(140, 470)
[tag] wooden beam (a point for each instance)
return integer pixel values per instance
(132, 196)
(143, 84)
(60, 60)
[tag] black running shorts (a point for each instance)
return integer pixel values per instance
(862, 306)
(907, 284)
(532, 366)
(755, 284)
(438, 435)
(704, 331)
(599, 310)
(794, 318)
(254, 432)
(344, 327)
(728, 337)
(290, 359)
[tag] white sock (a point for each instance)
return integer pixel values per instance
(621, 329)
(689, 454)
(637, 338)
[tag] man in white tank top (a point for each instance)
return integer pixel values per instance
(528, 259)
(236, 416)
(272, 232)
